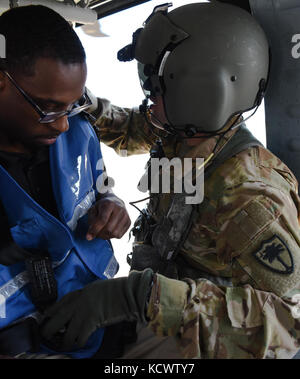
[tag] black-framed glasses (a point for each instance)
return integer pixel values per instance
(46, 117)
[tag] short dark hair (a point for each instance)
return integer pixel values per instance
(36, 31)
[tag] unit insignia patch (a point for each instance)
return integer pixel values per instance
(275, 255)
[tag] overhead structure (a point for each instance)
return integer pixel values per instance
(79, 11)
(84, 13)
(108, 7)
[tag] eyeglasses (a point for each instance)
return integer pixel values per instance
(46, 117)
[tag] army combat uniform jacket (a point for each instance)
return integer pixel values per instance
(245, 242)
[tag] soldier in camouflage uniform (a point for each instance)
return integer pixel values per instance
(235, 284)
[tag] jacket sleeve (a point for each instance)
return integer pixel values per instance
(258, 316)
(212, 322)
(125, 130)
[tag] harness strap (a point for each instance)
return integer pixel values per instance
(240, 141)
(169, 236)
(20, 337)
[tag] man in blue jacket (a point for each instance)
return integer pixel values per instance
(55, 225)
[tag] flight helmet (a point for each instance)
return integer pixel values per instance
(208, 61)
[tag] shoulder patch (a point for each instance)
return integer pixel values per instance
(266, 245)
(275, 255)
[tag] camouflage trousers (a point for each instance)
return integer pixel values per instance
(149, 346)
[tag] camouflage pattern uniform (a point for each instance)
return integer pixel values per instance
(245, 244)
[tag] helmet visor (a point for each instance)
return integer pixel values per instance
(144, 80)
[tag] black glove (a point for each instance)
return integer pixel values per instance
(99, 304)
(11, 253)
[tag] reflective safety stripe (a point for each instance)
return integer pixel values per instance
(13, 285)
(111, 268)
(20, 280)
(81, 209)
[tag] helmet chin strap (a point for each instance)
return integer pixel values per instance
(145, 109)
(246, 119)
(166, 127)
(190, 132)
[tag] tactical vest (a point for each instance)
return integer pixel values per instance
(76, 261)
(157, 245)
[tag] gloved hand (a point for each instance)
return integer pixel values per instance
(99, 304)
(12, 253)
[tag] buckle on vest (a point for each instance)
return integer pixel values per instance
(42, 282)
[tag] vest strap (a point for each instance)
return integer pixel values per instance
(171, 233)
(20, 337)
